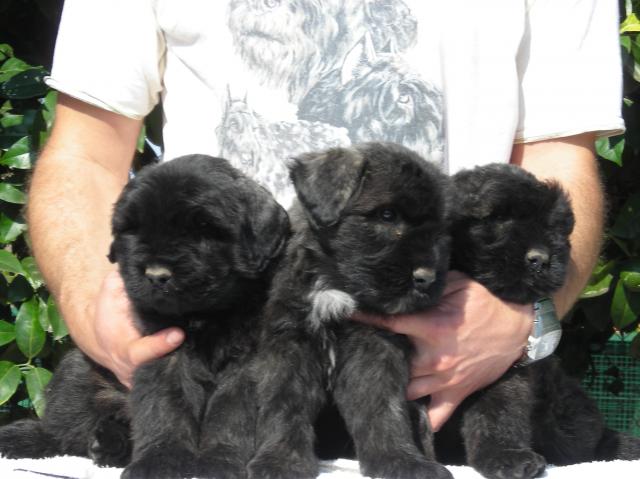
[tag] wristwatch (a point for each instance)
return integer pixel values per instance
(545, 334)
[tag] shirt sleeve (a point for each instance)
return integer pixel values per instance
(570, 70)
(110, 53)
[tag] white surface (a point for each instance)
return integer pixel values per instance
(81, 468)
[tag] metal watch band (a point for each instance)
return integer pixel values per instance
(545, 334)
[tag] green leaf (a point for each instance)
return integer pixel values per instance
(9, 380)
(625, 306)
(141, 138)
(7, 332)
(12, 67)
(48, 112)
(58, 325)
(11, 194)
(31, 272)
(597, 289)
(611, 149)
(37, 379)
(20, 290)
(18, 155)
(9, 263)
(9, 120)
(630, 24)
(30, 336)
(43, 315)
(627, 224)
(25, 84)
(630, 274)
(9, 229)
(5, 51)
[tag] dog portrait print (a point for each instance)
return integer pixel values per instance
(292, 43)
(341, 66)
(259, 148)
(376, 95)
(391, 25)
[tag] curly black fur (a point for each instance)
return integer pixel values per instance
(510, 232)
(195, 242)
(369, 234)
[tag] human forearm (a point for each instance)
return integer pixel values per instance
(572, 163)
(70, 236)
(76, 181)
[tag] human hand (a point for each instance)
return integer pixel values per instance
(120, 347)
(463, 344)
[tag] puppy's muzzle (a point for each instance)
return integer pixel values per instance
(423, 278)
(158, 275)
(537, 259)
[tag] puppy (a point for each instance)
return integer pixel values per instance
(510, 232)
(86, 414)
(369, 235)
(195, 242)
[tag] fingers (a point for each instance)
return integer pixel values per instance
(440, 409)
(148, 348)
(409, 324)
(425, 386)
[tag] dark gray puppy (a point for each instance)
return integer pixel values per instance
(195, 242)
(510, 232)
(369, 235)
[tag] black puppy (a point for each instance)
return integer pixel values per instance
(86, 414)
(195, 242)
(510, 232)
(369, 235)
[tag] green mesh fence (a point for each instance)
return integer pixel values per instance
(614, 383)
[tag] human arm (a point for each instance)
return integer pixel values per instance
(76, 181)
(471, 337)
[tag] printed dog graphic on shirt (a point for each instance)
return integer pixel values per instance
(294, 43)
(259, 148)
(375, 95)
(391, 25)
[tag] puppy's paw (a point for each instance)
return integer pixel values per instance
(27, 438)
(165, 464)
(110, 444)
(222, 463)
(402, 467)
(511, 464)
(268, 465)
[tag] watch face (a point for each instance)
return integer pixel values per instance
(544, 345)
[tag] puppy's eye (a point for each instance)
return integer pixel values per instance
(388, 215)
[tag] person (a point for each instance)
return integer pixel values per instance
(532, 82)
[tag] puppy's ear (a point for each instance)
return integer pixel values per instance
(264, 232)
(326, 181)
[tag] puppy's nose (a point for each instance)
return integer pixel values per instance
(158, 275)
(537, 258)
(423, 278)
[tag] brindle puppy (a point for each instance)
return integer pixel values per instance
(370, 235)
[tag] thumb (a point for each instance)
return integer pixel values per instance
(154, 346)
(440, 409)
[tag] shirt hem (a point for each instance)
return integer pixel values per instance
(90, 99)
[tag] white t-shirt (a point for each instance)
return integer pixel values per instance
(259, 81)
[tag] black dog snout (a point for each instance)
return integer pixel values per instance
(423, 278)
(158, 275)
(537, 258)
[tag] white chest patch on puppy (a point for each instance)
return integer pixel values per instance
(329, 304)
